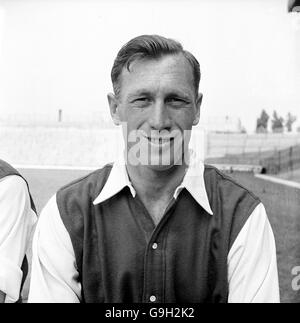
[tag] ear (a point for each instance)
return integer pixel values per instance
(198, 105)
(113, 106)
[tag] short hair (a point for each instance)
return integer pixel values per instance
(151, 47)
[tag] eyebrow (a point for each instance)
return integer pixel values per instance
(144, 92)
(179, 94)
(139, 93)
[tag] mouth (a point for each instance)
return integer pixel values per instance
(160, 141)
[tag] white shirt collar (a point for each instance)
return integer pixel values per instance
(117, 180)
(193, 182)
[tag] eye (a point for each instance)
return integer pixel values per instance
(141, 102)
(176, 100)
(141, 99)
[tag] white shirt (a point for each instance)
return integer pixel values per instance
(252, 265)
(17, 221)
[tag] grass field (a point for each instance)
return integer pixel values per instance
(282, 204)
(283, 208)
(290, 176)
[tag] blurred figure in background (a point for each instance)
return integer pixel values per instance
(17, 220)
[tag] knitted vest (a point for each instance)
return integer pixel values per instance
(6, 170)
(122, 257)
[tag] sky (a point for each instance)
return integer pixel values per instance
(57, 54)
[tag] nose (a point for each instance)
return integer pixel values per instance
(160, 118)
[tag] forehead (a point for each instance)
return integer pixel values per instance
(172, 71)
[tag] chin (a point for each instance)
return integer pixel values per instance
(161, 168)
(164, 166)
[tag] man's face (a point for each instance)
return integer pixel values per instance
(157, 100)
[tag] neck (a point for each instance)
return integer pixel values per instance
(152, 183)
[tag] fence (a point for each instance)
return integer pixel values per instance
(91, 146)
(253, 146)
(286, 160)
(273, 152)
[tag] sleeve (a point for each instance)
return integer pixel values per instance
(252, 265)
(54, 275)
(17, 221)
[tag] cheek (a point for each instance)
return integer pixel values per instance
(123, 114)
(185, 119)
(133, 119)
(135, 115)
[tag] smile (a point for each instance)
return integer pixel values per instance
(159, 141)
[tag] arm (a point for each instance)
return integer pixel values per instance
(16, 224)
(54, 277)
(252, 265)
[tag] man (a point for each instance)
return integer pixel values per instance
(17, 219)
(155, 227)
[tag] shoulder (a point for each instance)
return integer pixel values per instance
(232, 203)
(4, 164)
(14, 203)
(86, 188)
(10, 178)
(74, 203)
(218, 182)
(6, 169)
(13, 184)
